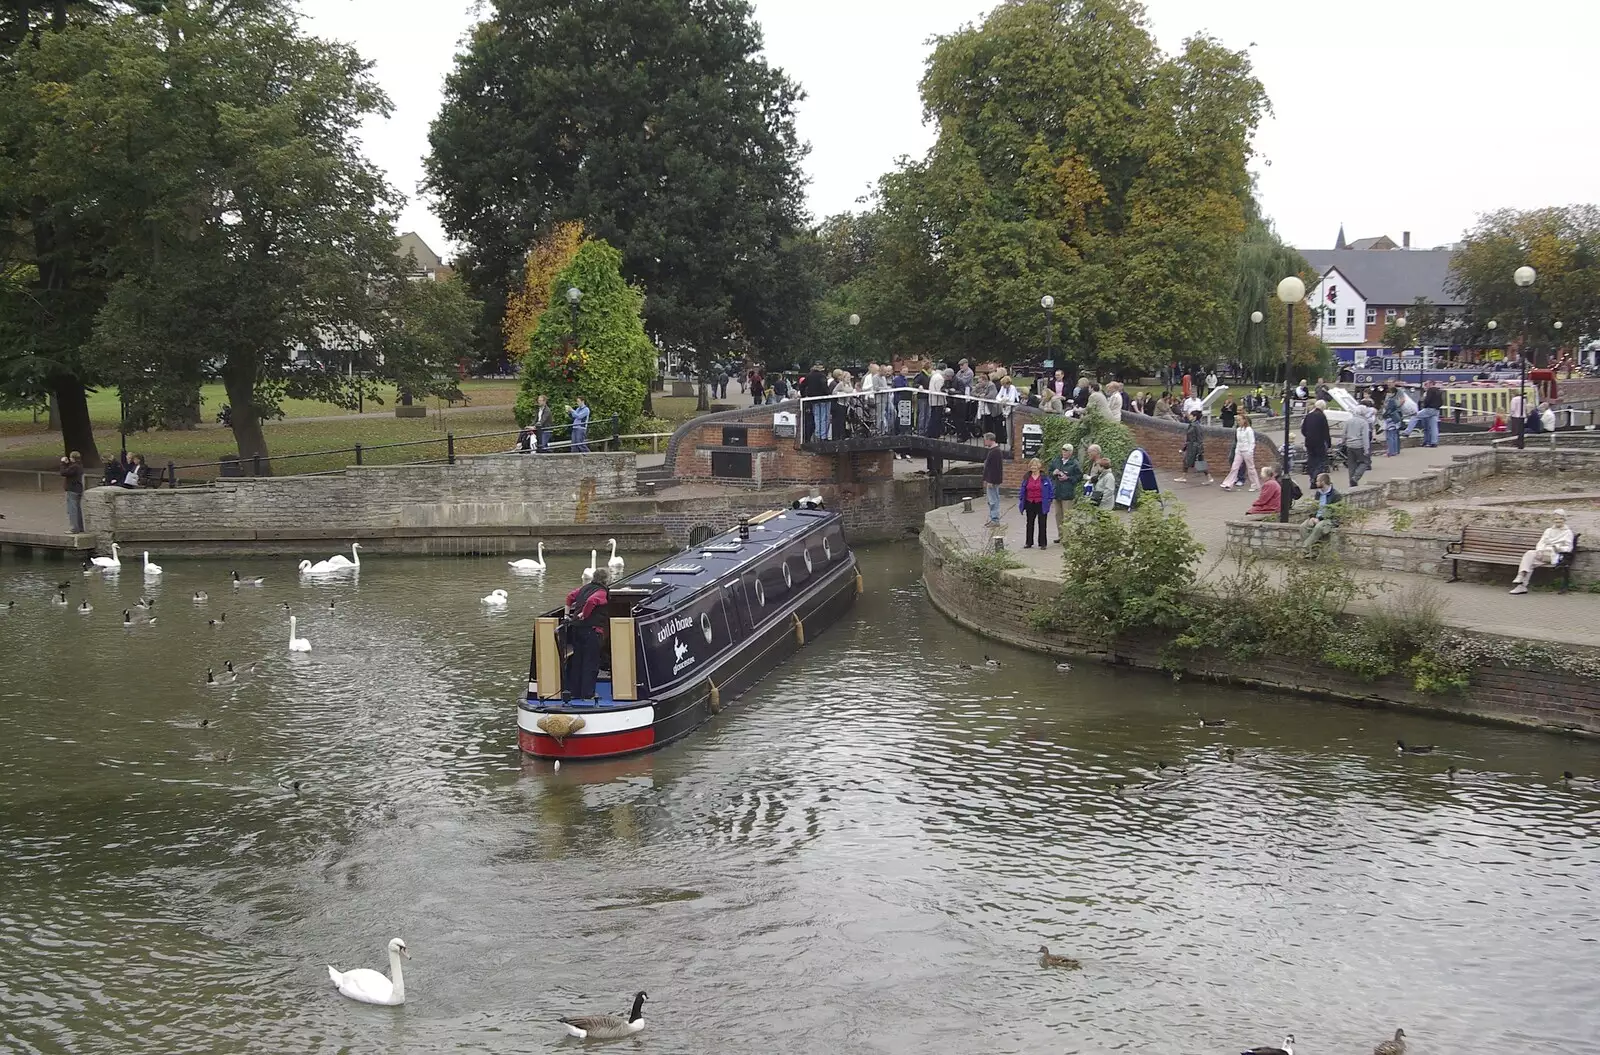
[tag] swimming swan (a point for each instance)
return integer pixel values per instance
(297, 644)
(497, 599)
(368, 986)
(338, 559)
(528, 563)
(320, 568)
(588, 573)
(113, 561)
(615, 563)
(150, 570)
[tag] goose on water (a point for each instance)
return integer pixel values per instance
(113, 561)
(201, 597)
(1064, 667)
(1213, 723)
(255, 581)
(529, 563)
(496, 599)
(218, 621)
(150, 570)
(614, 562)
(225, 678)
(144, 604)
(367, 985)
(1403, 748)
(1049, 959)
(1287, 1049)
(608, 1027)
(59, 598)
(992, 664)
(88, 566)
(85, 608)
(7, 606)
(1397, 1046)
(297, 644)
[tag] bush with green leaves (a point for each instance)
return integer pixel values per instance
(1123, 573)
(613, 362)
(1115, 439)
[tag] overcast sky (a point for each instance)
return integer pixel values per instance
(1390, 115)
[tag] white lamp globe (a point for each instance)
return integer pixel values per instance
(1524, 275)
(1256, 316)
(1291, 290)
(1047, 302)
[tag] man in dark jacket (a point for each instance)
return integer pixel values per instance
(816, 413)
(586, 624)
(543, 421)
(1314, 429)
(72, 482)
(994, 474)
(1067, 476)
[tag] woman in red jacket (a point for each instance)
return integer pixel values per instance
(1034, 498)
(1271, 494)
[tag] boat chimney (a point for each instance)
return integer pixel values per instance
(1405, 239)
(744, 530)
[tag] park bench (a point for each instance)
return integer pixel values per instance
(1504, 546)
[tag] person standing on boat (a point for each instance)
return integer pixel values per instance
(586, 622)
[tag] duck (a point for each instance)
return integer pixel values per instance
(221, 756)
(150, 570)
(367, 985)
(85, 608)
(113, 561)
(496, 599)
(992, 664)
(1403, 748)
(588, 573)
(330, 604)
(1287, 1049)
(1063, 668)
(7, 606)
(1050, 959)
(63, 586)
(218, 621)
(225, 678)
(529, 563)
(1213, 723)
(144, 604)
(614, 562)
(59, 598)
(255, 581)
(201, 597)
(127, 617)
(608, 1027)
(251, 669)
(297, 644)
(1450, 773)
(88, 566)
(1397, 1046)
(339, 560)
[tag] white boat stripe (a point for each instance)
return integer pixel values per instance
(597, 722)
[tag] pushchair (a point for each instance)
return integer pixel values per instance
(860, 416)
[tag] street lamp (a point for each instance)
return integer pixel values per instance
(1399, 353)
(1523, 277)
(1048, 303)
(855, 320)
(1256, 316)
(1290, 291)
(574, 294)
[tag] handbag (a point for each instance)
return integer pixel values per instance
(1200, 464)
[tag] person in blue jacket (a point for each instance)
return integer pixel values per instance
(580, 427)
(1033, 500)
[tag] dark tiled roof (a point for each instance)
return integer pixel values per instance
(1390, 276)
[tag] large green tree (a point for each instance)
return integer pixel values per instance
(1563, 247)
(1263, 260)
(658, 125)
(1072, 159)
(257, 232)
(429, 334)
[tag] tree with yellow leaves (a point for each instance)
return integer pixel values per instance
(550, 255)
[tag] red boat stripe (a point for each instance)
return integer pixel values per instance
(542, 746)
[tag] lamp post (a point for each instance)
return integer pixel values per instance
(1048, 303)
(1290, 290)
(574, 294)
(1523, 277)
(1400, 324)
(1255, 317)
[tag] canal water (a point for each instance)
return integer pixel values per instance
(863, 856)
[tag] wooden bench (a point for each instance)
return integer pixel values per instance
(1504, 546)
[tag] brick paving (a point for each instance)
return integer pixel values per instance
(1572, 618)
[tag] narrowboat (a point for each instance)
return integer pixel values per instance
(687, 636)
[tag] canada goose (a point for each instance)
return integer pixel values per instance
(63, 586)
(218, 621)
(1450, 773)
(144, 604)
(127, 617)
(1063, 667)
(88, 566)
(85, 608)
(251, 669)
(1413, 749)
(1213, 723)
(1049, 959)
(201, 597)
(992, 664)
(370, 987)
(205, 723)
(1287, 1049)
(7, 606)
(608, 1027)
(59, 598)
(293, 785)
(255, 581)
(225, 678)
(330, 605)
(1397, 1046)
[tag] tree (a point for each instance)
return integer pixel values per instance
(527, 303)
(1563, 247)
(1262, 262)
(258, 230)
(1072, 159)
(657, 124)
(612, 362)
(432, 331)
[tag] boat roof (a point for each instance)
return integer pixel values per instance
(670, 582)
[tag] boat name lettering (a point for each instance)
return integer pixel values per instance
(672, 626)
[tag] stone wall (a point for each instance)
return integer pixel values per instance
(1001, 609)
(484, 492)
(873, 511)
(776, 461)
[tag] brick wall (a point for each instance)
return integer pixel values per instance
(493, 491)
(776, 461)
(1001, 609)
(873, 511)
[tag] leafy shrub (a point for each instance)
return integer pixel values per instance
(1115, 439)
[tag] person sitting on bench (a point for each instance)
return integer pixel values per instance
(1546, 553)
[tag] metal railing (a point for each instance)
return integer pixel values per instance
(907, 411)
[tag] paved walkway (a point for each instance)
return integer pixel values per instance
(1572, 618)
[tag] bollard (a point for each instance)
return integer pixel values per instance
(172, 476)
(966, 505)
(255, 465)
(999, 544)
(358, 454)
(450, 448)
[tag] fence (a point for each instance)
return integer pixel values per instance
(903, 412)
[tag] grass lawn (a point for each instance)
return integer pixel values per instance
(105, 408)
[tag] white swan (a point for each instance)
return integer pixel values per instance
(370, 987)
(322, 567)
(338, 559)
(588, 573)
(528, 563)
(297, 644)
(150, 570)
(113, 561)
(496, 598)
(615, 563)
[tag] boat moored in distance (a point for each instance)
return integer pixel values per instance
(687, 636)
